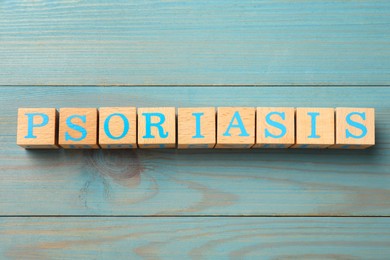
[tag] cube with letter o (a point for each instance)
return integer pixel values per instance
(117, 127)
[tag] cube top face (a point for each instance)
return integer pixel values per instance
(355, 128)
(117, 127)
(37, 128)
(78, 128)
(196, 127)
(275, 127)
(235, 127)
(315, 127)
(157, 127)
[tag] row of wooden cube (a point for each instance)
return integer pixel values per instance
(206, 127)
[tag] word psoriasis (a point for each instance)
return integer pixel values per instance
(202, 127)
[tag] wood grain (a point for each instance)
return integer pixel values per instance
(195, 42)
(195, 182)
(196, 238)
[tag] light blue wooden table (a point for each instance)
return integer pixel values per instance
(179, 204)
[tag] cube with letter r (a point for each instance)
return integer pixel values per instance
(37, 128)
(157, 127)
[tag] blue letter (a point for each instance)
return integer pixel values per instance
(275, 124)
(149, 124)
(197, 127)
(76, 127)
(31, 125)
(125, 126)
(239, 125)
(356, 124)
(313, 124)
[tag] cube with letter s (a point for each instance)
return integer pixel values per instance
(355, 128)
(78, 128)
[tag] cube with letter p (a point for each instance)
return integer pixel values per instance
(37, 128)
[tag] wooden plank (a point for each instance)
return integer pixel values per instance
(211, 238)
(195, 42)
(187, 182)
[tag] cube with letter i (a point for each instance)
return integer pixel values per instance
(157, 127)
(37, 128)
(78, 128)
(314, 127)
(235, 127)
(275, 127)
(196, 127)
(117, 127)
(355, 128)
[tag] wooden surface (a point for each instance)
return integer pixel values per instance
(196, 238)
(202, 182)
(195, 42)
(178, 204)
(237, 184)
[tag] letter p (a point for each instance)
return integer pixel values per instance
(31, 125)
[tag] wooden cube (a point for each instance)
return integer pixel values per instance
(78, 128)
(117, 127)
(196, 127)
(235, 127)
(37, 128)
(355, 128)
(314, 128)
(157, 127)
(275, 127)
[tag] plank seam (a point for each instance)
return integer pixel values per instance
(198, 85)
(194, 216)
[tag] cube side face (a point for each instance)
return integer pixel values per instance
(156, 127)
(355, 128)
(78, 128)
(235, 127)
(117, 127)
(196, 127)
(37, 128)
(315, 128)
(275, 127)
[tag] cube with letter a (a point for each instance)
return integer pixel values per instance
(196, 127)
(157, 127)
(355, 128)
(314, 127)
(37, 128)
(235, 127)
(78, 128)
(117, 127)
(275, 127)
